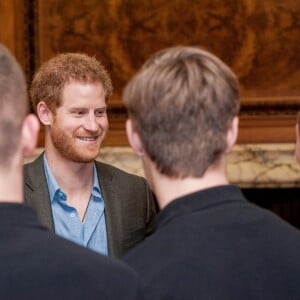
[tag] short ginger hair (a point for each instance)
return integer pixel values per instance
(50, 79)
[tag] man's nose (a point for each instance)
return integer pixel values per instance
(91, 123)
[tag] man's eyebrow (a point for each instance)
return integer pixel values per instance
(77, 108)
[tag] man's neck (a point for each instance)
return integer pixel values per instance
(168, 189)
(11, 186)
(70, 176)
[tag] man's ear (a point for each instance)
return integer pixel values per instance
(134, 139)
(29, 136)
(232, 134)
(297, 146)
(44, 113)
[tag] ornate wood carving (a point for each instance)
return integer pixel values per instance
(258, 39)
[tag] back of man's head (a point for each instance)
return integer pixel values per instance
(13, 103)
(182, 103)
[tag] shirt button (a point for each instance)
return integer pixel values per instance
(72, 215)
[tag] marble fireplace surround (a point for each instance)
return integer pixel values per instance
(249, 165)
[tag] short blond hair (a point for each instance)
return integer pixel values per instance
(181, 103)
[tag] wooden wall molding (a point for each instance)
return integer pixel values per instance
(256, 126)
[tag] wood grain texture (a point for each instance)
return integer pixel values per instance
(258, 39)
(16, 21)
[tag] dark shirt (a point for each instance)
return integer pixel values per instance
(214, 244)
(36, 264)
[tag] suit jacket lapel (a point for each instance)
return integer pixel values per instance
(36, 191)
(37, 196)
(112, 211)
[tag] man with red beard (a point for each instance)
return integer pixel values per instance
(90, 203)
(36, 264)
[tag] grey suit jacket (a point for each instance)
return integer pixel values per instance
(129, 205)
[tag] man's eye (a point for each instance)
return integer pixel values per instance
(78, 113)
(99, 113)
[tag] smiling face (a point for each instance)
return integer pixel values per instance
(79, 124)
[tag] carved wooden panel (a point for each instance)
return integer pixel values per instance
(259, 39)
(14, 31)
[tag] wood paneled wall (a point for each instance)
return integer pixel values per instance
(259, 39)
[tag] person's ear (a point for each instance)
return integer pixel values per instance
(232, 134)
(297, 146)
(44, 113)
(29, 134)
(134, 139)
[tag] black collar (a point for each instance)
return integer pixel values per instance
(17, 214)
(199, 200)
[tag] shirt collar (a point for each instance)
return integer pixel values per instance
(96, 192)
(18, 214)
(200, 200)
(53, 186)
(52, 183)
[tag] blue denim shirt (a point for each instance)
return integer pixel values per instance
(92, 232)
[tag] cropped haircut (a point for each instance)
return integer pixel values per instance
(181, 103)
(49, 81)
(14, 105)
